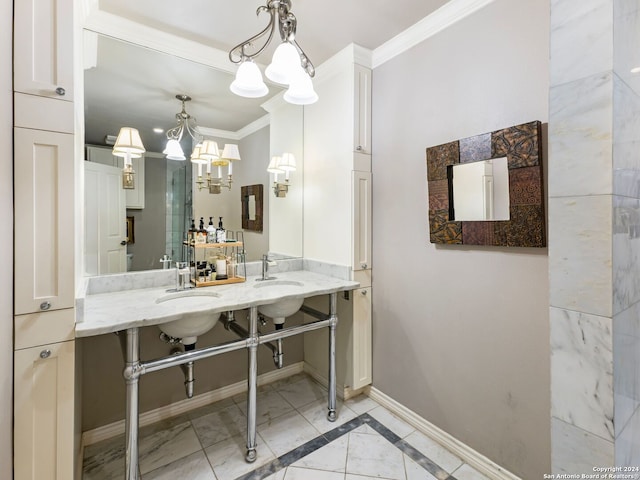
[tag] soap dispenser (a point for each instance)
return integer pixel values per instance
(211, 232)
(221, 234)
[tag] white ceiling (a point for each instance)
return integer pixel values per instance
(136, 86)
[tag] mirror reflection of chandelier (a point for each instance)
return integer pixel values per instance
(205, 154)
(186, 123)
(289, 66)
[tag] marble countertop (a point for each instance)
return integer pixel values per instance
(118, 310)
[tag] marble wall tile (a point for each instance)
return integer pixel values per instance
(580, 137)
(626, 38)
(627, 449)
(626, 129)
(581, 39)
(582, 371)
(575, 451)
(626, 252)
(626, 361)
(580, 275)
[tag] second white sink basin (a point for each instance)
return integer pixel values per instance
(282, 308)
(191, 324)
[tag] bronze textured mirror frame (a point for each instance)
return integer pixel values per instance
(251, 196)
(522, 145)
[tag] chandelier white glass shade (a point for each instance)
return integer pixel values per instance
(285, 163)
(207, 155)
(289, 64)
(248, 82)
(128, 145)
(186, 123)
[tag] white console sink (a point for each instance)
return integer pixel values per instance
(282, 308)
(191, 324)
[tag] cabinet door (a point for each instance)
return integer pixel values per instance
(361, 259)
(44, 226)
(362, 120)
(43, 48)
(44, 412)
(361, 348)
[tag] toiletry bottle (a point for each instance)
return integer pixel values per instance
(192, 231)
(211, 232)
(221, 266)
(221, 234)
(201, 233)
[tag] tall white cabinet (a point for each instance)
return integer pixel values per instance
(337, 163)
(44, 347)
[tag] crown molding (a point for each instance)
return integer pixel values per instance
(216, 132)
(118, 27)
(450, 13)
(245, 131)
(254, 126)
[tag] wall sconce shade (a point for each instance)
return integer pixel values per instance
(128, 142)
(208, 154)
(128, 145)
(209, 150)
(281, 164)
(230, 152)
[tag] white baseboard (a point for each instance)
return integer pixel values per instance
(476, 460)
(147, 418)
(345, 393)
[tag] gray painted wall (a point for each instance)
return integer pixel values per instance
(6, 240)
(468, 326)
(150, 222)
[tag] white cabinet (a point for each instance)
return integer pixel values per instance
(362, 110)
(361, 206)
(359, 351)
(134, 196)
(43, 412)
(353, 342)
(45, 445)
(44, 227)
(43, 48)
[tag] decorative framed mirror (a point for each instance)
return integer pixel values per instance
(488, 189)
(252, 208)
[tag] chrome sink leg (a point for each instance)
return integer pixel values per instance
(252, 384)
(333, 312)
(131, 375)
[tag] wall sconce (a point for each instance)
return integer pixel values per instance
(207, 154)
(128, 145)
(281, 164)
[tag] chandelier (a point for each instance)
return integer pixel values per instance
(289, 65)
(186, 123)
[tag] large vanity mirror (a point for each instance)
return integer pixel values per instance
(126, 85)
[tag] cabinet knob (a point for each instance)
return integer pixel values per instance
(60, 91)
(359, 148)
(45, 353)
(123, 242)
(363, 266)
(363, 292)
(45, 306)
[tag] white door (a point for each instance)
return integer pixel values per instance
(105, 238)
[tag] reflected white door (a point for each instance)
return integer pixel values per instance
(105, 236)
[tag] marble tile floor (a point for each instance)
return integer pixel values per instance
(295, 442)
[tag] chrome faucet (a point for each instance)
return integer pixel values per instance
(265, 267)
(183, 276)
